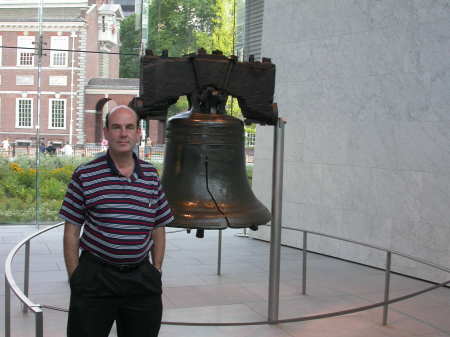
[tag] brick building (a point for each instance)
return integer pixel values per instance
(54, 96)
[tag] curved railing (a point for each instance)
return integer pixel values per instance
(11, 285)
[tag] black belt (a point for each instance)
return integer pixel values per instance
(119, 267)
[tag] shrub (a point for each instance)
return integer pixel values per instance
(27, 177)
(63, 174)
(52, 189)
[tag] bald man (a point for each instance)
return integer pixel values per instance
(118, 202)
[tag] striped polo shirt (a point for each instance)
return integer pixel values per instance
(118, 213)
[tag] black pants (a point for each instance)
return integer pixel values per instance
(102, 294)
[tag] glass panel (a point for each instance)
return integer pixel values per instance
(18, 111)
(63, 65)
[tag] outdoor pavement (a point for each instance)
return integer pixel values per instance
(193, 292)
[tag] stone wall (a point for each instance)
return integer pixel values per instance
(365, 89)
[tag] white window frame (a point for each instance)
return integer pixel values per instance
(57, 80)
(59, 42)
(18, 113)
(25, 41)
(50, 113)
(24, 80)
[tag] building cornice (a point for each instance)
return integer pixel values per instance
(106, 91)
(46, 4)
(30, 92)
(46, 26)
(19, 69)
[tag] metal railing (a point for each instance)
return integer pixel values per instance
(36, 309)
(11, 285)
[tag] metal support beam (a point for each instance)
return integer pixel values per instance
(26, 275)
(387, 280)
(39, 324)
(304, 253)
(275, 233)
(219, 253)
(7, 309)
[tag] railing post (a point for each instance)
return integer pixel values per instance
(304, 254)
(219, 253)
(7, 309)
(386, 286)
(26, 276)
(39, 324)
(275, 231)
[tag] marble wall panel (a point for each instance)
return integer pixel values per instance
(327, 143)
(405, 95)
(364, 86)
(388, 13)
(351, 16)
(262, 182)
(423, 146)
(397, 194)
(372, 144)
(264, 143)
(431, 11)
(435, 200)
(351, 54)
(391, 50)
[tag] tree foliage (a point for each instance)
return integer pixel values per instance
(175, 25)
(181, 27)
(221, 36)
(130, 42)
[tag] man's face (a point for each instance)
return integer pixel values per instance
(122, 132)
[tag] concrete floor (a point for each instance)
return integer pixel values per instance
(193, 292)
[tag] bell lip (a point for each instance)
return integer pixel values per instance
(219, 222)
(211, 218)
(215, 227)
(205, 227)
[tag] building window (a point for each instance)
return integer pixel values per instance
(58, 58)
(24, 107)
(57, 114)
(25, 57)
(24, 79)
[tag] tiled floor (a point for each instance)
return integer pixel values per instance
(193, 292)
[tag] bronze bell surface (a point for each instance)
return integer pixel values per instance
(204, 173)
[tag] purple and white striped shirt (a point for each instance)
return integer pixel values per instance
(118, 213)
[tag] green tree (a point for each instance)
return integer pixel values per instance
(181, 27)
(130, 42)
(175, 25)
(223, 30)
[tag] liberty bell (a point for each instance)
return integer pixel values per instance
(204, 175)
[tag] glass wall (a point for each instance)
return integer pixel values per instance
(63, 65)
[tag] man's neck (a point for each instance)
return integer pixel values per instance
(124, 162)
